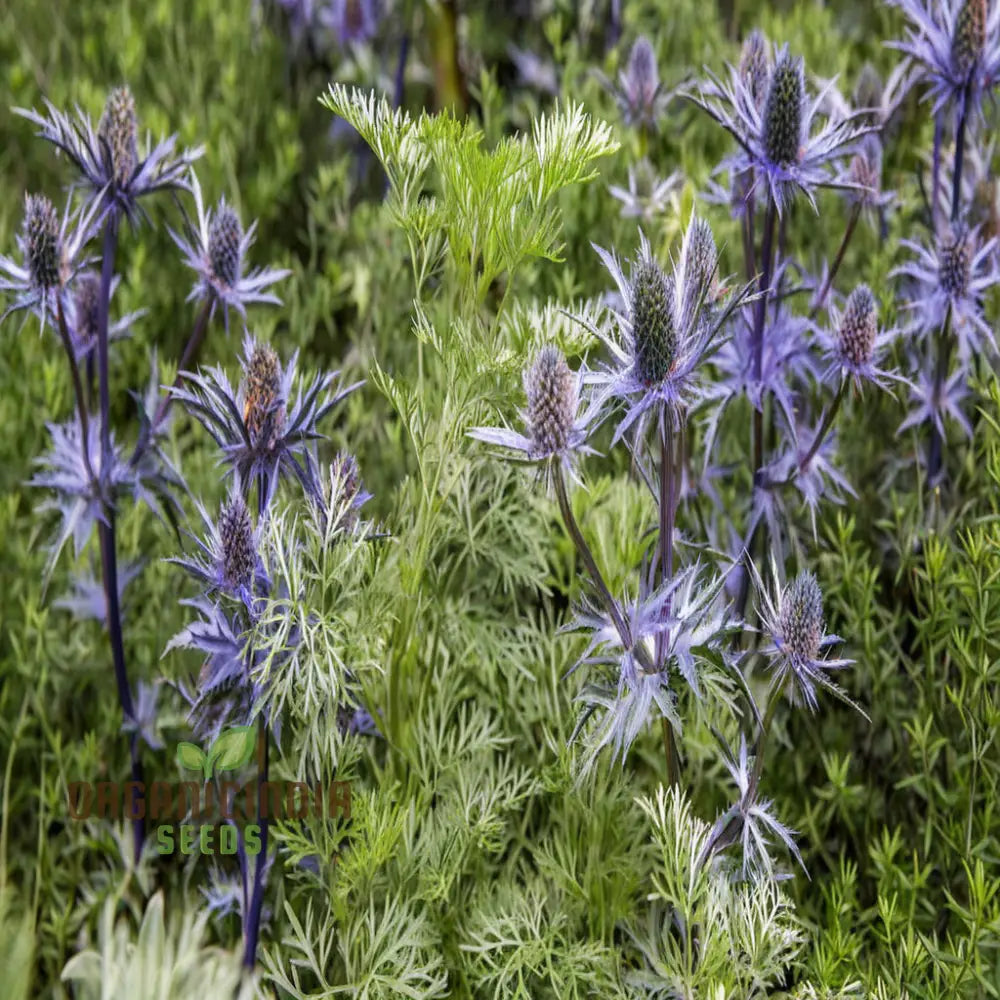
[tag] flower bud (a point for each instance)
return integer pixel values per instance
(263, 409)
(783, 112)
(239, 552)
(969, 40)
(119, 128)
(801, 617)
(858, 328)
(225, 235)
(551, 388)
(641, 81)
(754, 68)
(653, 329)
(42, 242)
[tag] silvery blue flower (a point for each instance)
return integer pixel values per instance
(50, 253)
(933, 400)
(216, 251)
(262, 433)
(952, 277)
(113, 169)
(667, 328)
(792, 618)
(779, 148)
(647, 195)
(555, 428)
(956, 43)
(144, 715)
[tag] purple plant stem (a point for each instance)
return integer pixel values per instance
(106, 528)
(852, 223)
(257, 895)
(667, 516)
(825, 426)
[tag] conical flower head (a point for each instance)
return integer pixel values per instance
(42, 243)
(955, 265)
(239, 550)
(700, 254)
(86, 312)
(119, 128)
(801, 617)
(225, 237)
(783, 112)
(654, 331)
(969, 40)
(755, 66)
(866, 171)
(642, 79)
(551, 388)
(263, 410)
(858, 329)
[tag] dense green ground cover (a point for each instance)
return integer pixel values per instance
(474, 864)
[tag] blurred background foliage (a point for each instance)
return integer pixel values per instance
(897, 819)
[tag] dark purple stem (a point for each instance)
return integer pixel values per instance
(106, 527)
(257, 895)
(852, 223)
(824, 427)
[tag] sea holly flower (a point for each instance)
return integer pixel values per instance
(956, 43)
(647, 195)
(856, 345)
(262, 433)
(933, 399)
(228, 560)
(792, 618)
(144, 717)
(87, 600)
(952, 277)
(861, 178)
(50, 256)
(778, 144)
(216, 251)
(352, 21)
(113, 168)
(751, 822)
(675, 625)
(639, 92)
(665, 331)
(555, 429)
(337, 505)
(82, 497)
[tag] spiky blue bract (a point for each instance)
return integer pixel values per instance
(262, 433)
(780, 147)
(667, 327)
(216, 250)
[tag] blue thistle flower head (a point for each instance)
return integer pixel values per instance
(216, 250)
(50, 250)
(780, 149)
(227, 560)
(353, 22)
(856, 345)
(647, 194)
(264, 435)
(115, 171)
(80, 499)
(751, 822)
(555, 428)
(951, 279)
(337, 506)
(793, 620)
(755, 67)
(666, 328)
(666, 631)
(956, 44)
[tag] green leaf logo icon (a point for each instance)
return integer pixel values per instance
(191, 757)
(233, 748)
